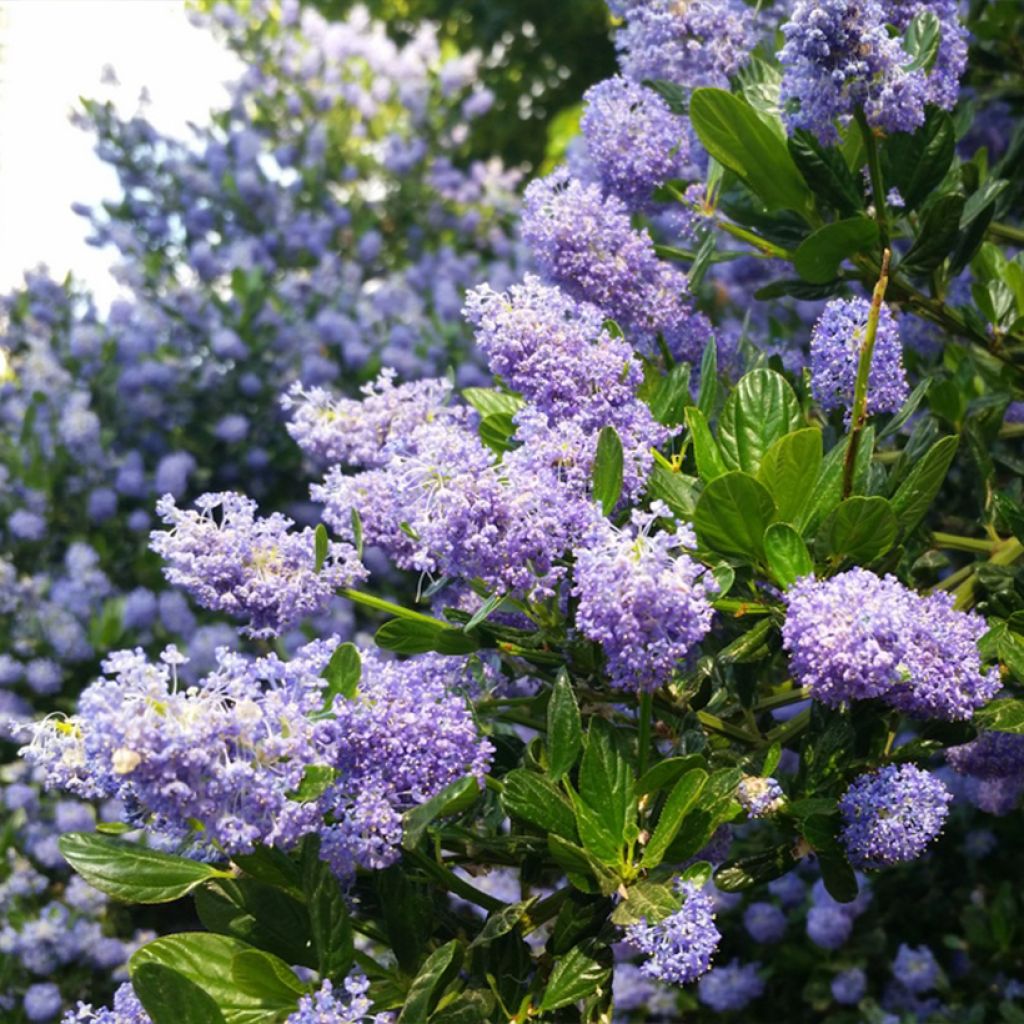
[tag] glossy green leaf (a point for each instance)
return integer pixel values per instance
(330, 929)
(760, 410)
(321, 545)
(790, 468)
(737, 137)
(453, 799)
(860, 529)
(316, 780)
(680, 800)
(921, 41)
(607, 473)
(439, 970)
(679, 492)
(820, 255)
(707, 394)
(533, 799)
(171, 998)
(732, 515)
(496, 432)
(786, 554)
(130, 872)
(1006, 714)
(489, 402)
(672, 396)
(915, 495)
(916, 162)
(574, 977)
(205, 959)
(758, 868)
(411, 636)
(705, 448)
(826, 172)
(666, 772)
(647, 900)
(565, 729)
(828, 488)
(606, 783)
(342, 673)
(937, 235)
(267, 978)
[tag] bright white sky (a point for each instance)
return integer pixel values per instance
(52, 52)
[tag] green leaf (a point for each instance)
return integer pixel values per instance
(669, 401)
(707, 394)
(827, 173)
(836, 873)
(439, 970)
(565, 729)
(666, 772)
(577, 861)
(676, 490)
(501, 922)
(921, 41)
(737, 137)
(790, 468)
(575, 976)
(330, 929)
(411, 636)
(937, 236)
(205, 959)
(787, 554)
(342, 673)
(732, 515)
(705, 447)
(606, 784)
(489, 402)
(915, 495)
(133, 873)
(357, 531)
(316, 780)
(682, 798)
(321, 545)
(746, 872)
(267, 978)
(916, 162)
(820, 255)
(607, 474)
(534, 799)
(828, 488)
(453, 799)
(171, 998)
(652, 901)
(760, 410)
(1003, 715)
(496, 432)
(861, 529)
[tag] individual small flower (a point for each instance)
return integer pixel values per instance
(642, 598)
(634, 141)
(835, 353)
(730, 987)
(329, 1006)
(859, 636)
(247, 566)
(916, 969)
(679, 947)
(759, 797)
(891, 815)
(849, 986)
(764, 922)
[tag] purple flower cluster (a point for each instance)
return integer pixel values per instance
(679, 947)
(993, 771)
(231, 754)
(731, 986)
(634, 142)
(642, 597)
(916, 970)
(126, 1009)
(835, 354)
(829, 923)
(759, 797)
(247, 566)
(848, 987)
(328, 1006)
(764, 922)
(839, 56)
(584, 242)
(858, 636)
(702, 42)
(891, 815)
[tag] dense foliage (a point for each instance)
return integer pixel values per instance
(687, 672)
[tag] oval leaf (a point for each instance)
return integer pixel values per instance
(171, 998)
(565, 730)
(762, 409)
(732, 515)
(789, 470)
(683, 796)
(787, 554)
(819, 256)
(607, 474)
(861, 529)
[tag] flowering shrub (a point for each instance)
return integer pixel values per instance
(718, 656)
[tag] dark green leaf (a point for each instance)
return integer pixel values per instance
(607, 476)
(789, 469)
(746, 872)
(171, 998)
(820, 255)
(579, 863)
(501, 922)
(606, 783)
(940, 228)
(411, 636)
(646, 899)
(342, 673)
(838, 876)
(827, 173)
(732, 515)
(453, 799)
(1003, 715)
(575, 976)
(682, 798)
(133, 873)
(669, 401)
(828, 488)
(737, 137)
(861, 529)
(565, 730)
(760, 410)
(676, 490)
(787, 554)
(916, 162)
(666, 772)
(705, 448)
(532, 798)
(439, 970)
(915, 495)
(321, 545)
(797, 289)
(707, 394)
(330, 929)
